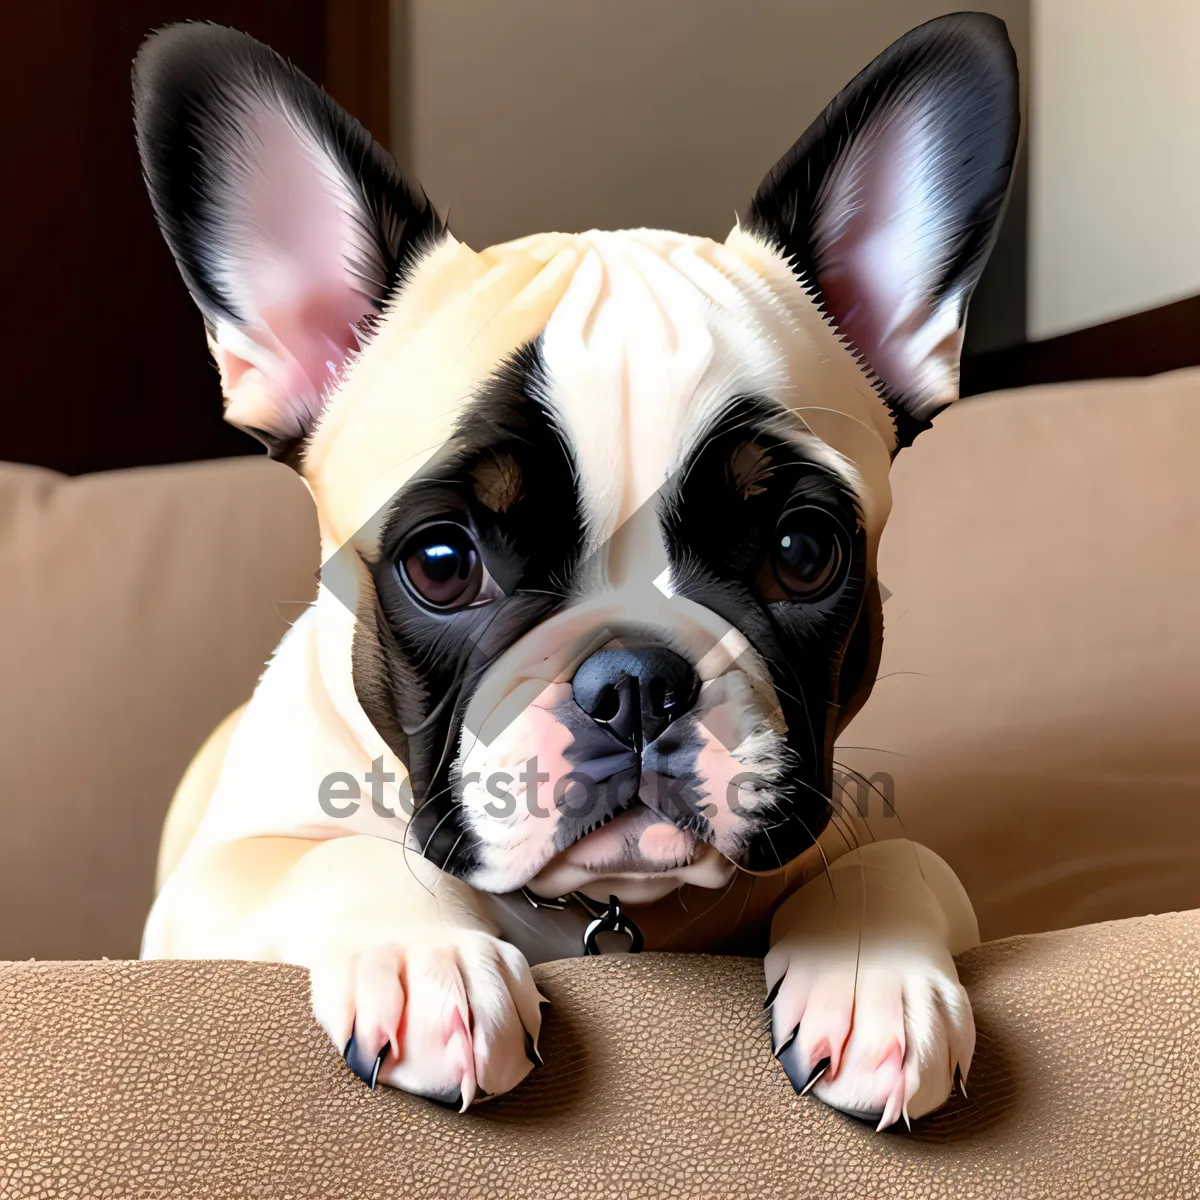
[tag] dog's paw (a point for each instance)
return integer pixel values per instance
(879, 1037)
(454, 1017)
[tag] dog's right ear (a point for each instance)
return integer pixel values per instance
(887, 207)
(288, 223)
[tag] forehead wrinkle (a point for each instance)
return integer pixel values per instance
(646, 336)
(624, 353)
(753, 359)
(403, 399)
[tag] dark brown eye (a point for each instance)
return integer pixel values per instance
(443, 566)
(808, 556)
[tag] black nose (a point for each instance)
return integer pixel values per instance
(635, 692)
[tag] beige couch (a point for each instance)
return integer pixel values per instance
(1035, 720)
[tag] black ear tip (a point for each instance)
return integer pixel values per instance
(184, 40)
(982, 35)
(982, 25)
(167, 47)
(970, 52)
(179, 59)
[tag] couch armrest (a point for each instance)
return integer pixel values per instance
(212, 1080)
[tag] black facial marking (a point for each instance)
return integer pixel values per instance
(734, 506)
(860, 664)
(606, 771)
(670, 780)
(415, 667)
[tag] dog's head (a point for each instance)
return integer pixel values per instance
(604, 507)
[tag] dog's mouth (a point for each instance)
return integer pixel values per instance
(637, 839)
(681, 809)
(637, 849)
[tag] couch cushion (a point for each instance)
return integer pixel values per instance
(213, 1080)
(1039, 695)
(1035, 715)
(138, 608)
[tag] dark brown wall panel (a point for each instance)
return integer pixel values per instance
(106, 364)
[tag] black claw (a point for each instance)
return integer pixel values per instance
(378, 1063)
(815, 1074)
(773, 993)
(787, 1041)
(531, 1051)
(798, 1075)
(787, 1056)
(366, 1069)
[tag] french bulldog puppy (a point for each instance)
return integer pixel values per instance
(599, 516)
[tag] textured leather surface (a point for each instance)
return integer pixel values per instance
(122, 1079)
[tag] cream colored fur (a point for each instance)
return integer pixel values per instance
(404, 954)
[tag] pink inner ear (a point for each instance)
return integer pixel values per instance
(880, 238)
(317, 336)
(291, 242)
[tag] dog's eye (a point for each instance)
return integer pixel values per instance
(442, 564)
(808, 558)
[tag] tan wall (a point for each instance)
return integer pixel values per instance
(1114, 159)
(568, 114)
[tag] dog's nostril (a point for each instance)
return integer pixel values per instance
(608, 704)
(662, 697)
(635, 692)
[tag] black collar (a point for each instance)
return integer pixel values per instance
(570, 926)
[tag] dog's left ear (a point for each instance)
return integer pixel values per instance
(887, 207)
(288, 223)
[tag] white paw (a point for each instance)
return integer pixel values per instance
(453, 1016)
(893, 1025)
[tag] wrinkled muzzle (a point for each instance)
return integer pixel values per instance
(601, 747)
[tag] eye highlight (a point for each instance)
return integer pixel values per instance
(808, 556)
(442, 564)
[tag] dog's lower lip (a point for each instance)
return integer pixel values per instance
(635, 841)
(600, 823)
